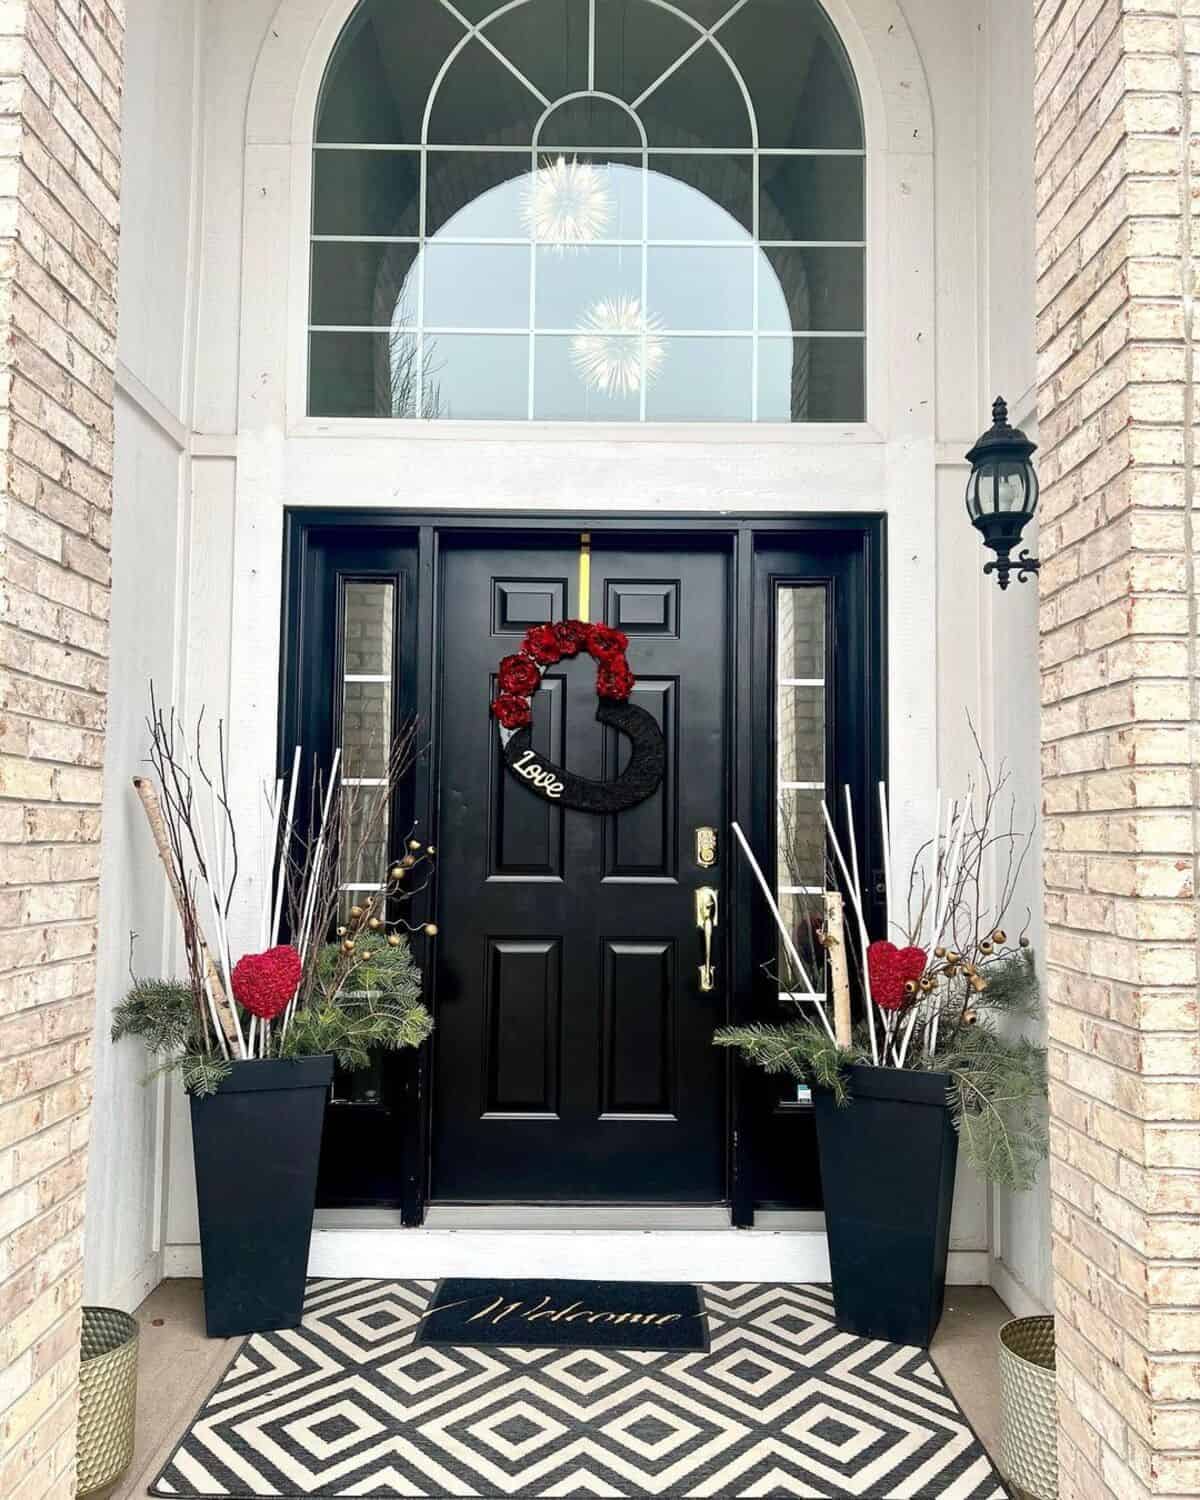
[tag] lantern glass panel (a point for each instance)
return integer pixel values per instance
(1032, 488)
(1010, 485)
(978, 496)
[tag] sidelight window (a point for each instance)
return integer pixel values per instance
(367, 656)
(631, 210)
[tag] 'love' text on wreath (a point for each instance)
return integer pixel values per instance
(520, 676)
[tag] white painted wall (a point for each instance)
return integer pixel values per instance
(123, 1249)
(938, 338)
(1021, 1270)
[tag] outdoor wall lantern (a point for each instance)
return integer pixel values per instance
(1002, 494)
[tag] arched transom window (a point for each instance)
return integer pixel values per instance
(588, 210)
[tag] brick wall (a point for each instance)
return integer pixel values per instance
(60, 83)
(1115, 155)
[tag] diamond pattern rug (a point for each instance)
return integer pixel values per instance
(782, 1404)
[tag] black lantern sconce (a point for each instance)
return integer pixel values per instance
(1002, 494)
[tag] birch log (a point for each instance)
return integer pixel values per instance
(839, 970)
(158, 831)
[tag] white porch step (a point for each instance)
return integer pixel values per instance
(574, 1244)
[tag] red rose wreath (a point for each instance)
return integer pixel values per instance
(521, 674)
(519, 677)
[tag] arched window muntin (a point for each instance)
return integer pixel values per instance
(758, 241)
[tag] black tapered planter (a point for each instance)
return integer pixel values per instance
(887, 1174)
(257, 1144)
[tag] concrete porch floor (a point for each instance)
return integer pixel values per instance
(178, 1366)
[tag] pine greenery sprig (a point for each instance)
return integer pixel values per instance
(1012, 984)
(160, 1011)
(373, 1003)
(350, 1033)
(799, 1049)
(377, 967)
(997, 1088)
(202, 1073)
(163, 1013)
(997, 1100)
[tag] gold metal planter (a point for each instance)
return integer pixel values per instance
(1028, 1410)
(107, 1397)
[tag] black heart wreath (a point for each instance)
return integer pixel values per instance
(520, 676)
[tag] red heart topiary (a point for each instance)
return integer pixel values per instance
(889, 969)
(265, 982)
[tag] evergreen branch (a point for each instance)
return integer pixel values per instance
(361, 1002)
(202, 1073)
(798, 1048)
(161, 1012)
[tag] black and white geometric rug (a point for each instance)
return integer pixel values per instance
(782, 1404)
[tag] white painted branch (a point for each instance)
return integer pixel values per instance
(953, 862)
(908, 1031)
(936, 852)
(853, 838)
(793, 954)
(218, 924)
(284, 856)
(885, 828)
(950, 872)
(928, 940)
(856, 904)
(210, 979)
(266, 862)
(220, 888)
(941, 857)
(889, 1020)
(314, 879)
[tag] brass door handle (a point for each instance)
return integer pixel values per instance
(706, 920)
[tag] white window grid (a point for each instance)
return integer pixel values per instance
(531, 330)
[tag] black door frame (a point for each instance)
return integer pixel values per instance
(751, 707)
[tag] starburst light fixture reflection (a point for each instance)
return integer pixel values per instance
(616, 344)
(565, 203)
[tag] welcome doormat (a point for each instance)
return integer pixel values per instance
(350, 1403)
(662, 1316)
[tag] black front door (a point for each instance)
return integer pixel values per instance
(573, 1059)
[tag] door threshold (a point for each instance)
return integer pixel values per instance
(543, 1217)
(558, 1217)
(643, 1216)
(370, 1243)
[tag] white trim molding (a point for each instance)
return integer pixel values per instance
(127, 384)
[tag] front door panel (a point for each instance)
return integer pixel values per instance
(573, 1058)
